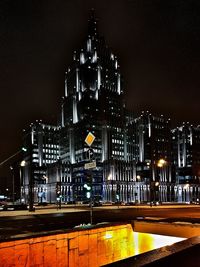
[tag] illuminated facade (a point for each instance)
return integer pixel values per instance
(151, 149)
(93, 102)
(186, 158)
(42, 149)
(133, 155)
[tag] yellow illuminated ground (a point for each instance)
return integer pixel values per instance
(143, 242)
(129, 243)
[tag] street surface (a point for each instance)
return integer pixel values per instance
(49, 218)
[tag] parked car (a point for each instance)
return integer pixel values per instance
(2, 207)
(130, 203)
(96, 204)
(71, 202)
(19, 206)
(29, 207)
(42, 204)
(154, 203)
(197, 202)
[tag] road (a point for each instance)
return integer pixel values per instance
(49, 219)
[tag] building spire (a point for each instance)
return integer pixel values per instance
(92, 24)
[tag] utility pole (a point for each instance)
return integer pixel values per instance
(13, 185)
(31, 183)
(92, 164)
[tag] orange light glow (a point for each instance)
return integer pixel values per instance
(144, 242)
(108, 235)
(94, 247)
(161, 163)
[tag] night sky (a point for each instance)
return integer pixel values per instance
(157, 43)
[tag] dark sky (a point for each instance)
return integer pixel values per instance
(157, 43)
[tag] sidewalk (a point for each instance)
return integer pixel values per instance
(52, 209)
(39, 210)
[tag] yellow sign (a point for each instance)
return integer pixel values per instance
(89, 139)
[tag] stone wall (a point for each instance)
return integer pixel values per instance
(164, 228)
(80, 248)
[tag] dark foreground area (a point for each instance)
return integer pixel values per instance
(187, 257)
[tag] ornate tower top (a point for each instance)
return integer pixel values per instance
(94, 67)
(92, 24)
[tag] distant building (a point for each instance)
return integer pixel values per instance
(186, 159)
(151, 146)
(42, 149)
(186, 148)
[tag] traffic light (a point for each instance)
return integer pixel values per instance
(88, 190)
(88, 185)
(58, 190)
(118, 192)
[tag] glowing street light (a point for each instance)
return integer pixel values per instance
(161, 163)
(23, 163)
(109, 177)
(138, 177)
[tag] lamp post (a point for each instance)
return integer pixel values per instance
(22, 194)
(186, 189)
(31, 182)
(13, 184)
(110, 179)
(59, 184)
(138, 179)
(161, 164)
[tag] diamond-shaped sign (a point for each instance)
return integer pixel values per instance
(89, 139)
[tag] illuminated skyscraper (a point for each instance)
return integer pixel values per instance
(133, 156)
(93, 102)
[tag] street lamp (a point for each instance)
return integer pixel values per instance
(23, 163)
(7, 193)
(137, 194)
(22, 184)
(163, 174)
(186, 188)
(161, 163)
(110, 178)
(13, 185)
(138, 177)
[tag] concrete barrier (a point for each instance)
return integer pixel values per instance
(178, 229)
(85, 248)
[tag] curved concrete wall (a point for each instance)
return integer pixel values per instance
(84, 248)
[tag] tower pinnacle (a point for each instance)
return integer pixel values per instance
(92, 24)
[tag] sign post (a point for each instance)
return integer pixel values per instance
(90, 165)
